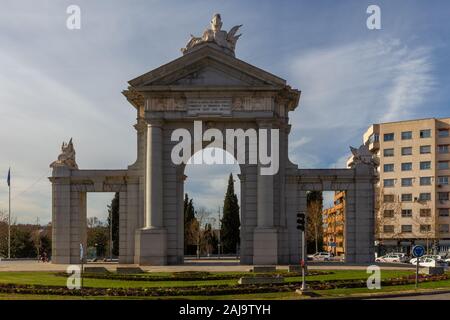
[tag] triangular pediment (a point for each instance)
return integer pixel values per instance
(207, 67)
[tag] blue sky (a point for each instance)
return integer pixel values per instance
(56, 83)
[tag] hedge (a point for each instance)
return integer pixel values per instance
(188, 276)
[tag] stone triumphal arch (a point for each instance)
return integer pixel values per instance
(209, 84)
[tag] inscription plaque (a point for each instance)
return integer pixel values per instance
(209, 106)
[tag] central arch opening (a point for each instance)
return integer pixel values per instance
(212, 211)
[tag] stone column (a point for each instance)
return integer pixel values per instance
(151, 241)
(265, 200)
(265, 243)
(61, 216)
(154, 176)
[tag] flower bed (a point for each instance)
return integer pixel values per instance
(208, 290)
(189, 276)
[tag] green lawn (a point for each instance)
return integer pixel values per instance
(53, 279)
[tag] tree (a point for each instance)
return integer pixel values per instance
(113, 211)
(190, 224)
(314, 221)
(388, 212)
(22, 245)
(201, 217)
(230, 220)
(97, 236)
(209, 239)
(3, 234)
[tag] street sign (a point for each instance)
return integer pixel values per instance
(418, 251)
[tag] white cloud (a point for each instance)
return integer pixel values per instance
(348, 87)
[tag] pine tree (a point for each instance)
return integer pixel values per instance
(230, 221)
(189, 222)
(113, 210)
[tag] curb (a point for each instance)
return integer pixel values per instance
(385, 295)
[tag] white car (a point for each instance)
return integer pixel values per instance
(432, 256)
(320, 256)
(403, 256)
(392, 257)
(430, 262)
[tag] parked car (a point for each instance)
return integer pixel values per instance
(432, 256)
(403, 256)
(321, 256)
(390, 258)
(431, 262)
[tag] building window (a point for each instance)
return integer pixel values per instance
(406, 151)
(444, 212)
(425, 228)
(425, 165)
(443, 165)
(406, 135)
(389, 167)
(443, 180)
(443, 133)
(388, 213)
(425, 149)
(406, 228)
(388, 137)
(388, 228)
(444, 228)
(388, 198)
(388, 183)
(443, 148)
(425, 213)
(388, 152)
(425, 181)
(426, 196)
(407, 182)
(425, 133)
(406, 197)
(443, 196)
(406, 166)
(406, 213)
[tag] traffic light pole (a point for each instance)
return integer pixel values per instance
(304, 262)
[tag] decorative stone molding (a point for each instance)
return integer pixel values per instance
(166, 104)
(136, 98)
(253, 104)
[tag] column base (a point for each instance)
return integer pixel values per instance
(151, 247)
(265, 246)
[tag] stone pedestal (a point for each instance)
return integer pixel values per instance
(265, 246)
(151, 246)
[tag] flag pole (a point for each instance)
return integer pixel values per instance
(9, 214)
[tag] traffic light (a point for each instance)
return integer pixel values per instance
(301, 221)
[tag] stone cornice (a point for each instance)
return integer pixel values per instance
(136, 98)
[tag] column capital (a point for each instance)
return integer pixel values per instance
(140, 125)
(155, 122)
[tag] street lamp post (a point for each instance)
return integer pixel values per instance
(219, 243)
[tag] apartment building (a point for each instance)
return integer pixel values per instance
(333, 225)
(413, 164)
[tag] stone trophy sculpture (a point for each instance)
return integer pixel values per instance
(225, 40)
(67, 157)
